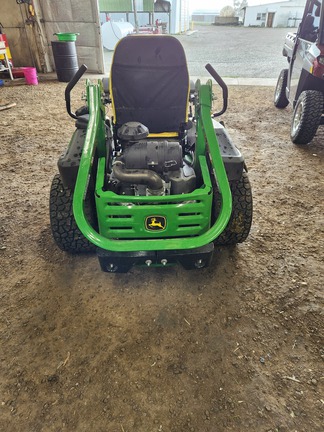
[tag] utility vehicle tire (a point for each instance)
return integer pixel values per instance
(280, 99)
(65, 231)
(239, 225)
(306, 117)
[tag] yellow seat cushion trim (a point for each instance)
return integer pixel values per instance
(164, 135)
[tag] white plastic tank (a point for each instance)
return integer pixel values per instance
(112, 32)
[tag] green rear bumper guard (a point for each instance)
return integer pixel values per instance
(206, 140)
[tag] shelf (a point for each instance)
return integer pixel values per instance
(7, 67)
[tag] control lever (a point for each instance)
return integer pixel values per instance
(82, 69)
(223, 86)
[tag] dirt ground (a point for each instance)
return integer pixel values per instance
(235, 347)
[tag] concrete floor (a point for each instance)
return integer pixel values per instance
(242, 55)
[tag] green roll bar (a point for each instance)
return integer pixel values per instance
(95, 138)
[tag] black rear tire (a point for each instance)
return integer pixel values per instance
(239, 225)
(306, 117)
(280, 98)
(65, 231)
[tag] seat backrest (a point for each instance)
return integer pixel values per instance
(149, 82)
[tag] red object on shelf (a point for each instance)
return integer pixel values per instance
(18, 72)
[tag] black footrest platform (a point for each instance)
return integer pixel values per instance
(121, 262)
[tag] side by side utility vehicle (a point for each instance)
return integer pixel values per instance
(302, 83)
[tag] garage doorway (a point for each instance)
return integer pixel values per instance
(270, 19)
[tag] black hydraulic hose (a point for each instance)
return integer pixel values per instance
(137, 176)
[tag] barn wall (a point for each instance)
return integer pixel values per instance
(21, 36)
(30, 36)
(76, 16)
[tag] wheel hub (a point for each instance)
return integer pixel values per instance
(297, 117)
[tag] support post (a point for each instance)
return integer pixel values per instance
(135, 16)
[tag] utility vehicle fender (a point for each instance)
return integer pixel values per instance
(288, 46)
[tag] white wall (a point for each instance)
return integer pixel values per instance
(283, 11)
(286, 12)
(179, 16)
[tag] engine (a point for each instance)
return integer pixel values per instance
(149, 167)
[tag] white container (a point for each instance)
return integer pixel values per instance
(112, 32)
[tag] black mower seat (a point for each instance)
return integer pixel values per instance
(149, 83)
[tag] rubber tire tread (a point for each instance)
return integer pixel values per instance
(239, 225)
(310, 118)
(282, 100)
(65, 231)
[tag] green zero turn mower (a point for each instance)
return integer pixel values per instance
(160, 181)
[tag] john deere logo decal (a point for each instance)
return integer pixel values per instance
(155, 223)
